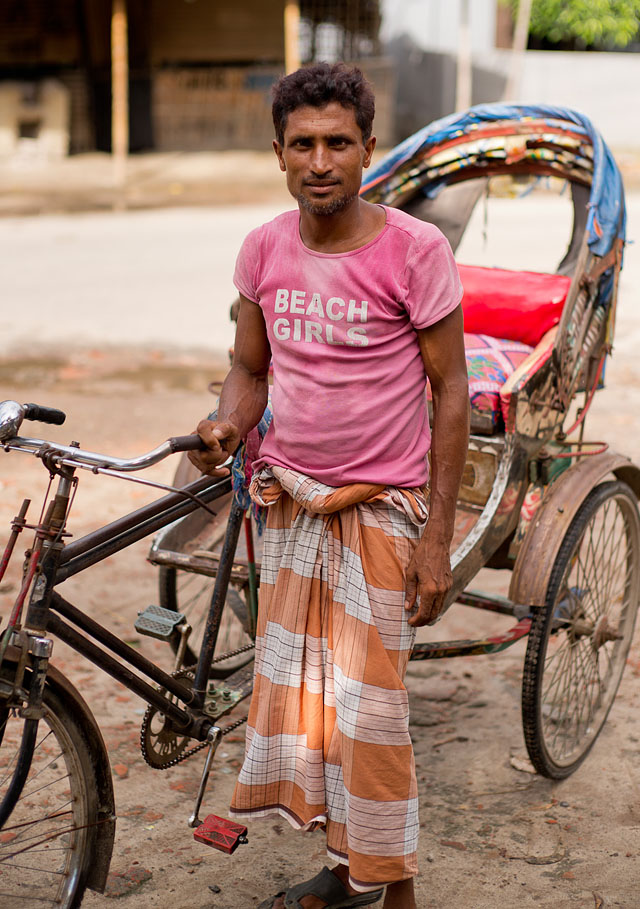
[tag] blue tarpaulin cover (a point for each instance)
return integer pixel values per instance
(606, 219)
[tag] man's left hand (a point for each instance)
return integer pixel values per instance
(429, 577)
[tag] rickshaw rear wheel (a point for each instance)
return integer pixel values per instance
(579, 640)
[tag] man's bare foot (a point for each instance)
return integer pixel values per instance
(400, 896)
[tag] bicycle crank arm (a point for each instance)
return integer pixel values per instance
(215, 831)
(214, 735)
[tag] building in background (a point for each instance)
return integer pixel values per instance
(199, 71)
(421, 36)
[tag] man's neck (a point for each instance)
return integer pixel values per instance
(349, 229)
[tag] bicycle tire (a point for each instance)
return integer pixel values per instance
(190, 594)
(48, 841)
(572, 667)
(24, 757)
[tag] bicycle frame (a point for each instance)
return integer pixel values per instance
(54, 614)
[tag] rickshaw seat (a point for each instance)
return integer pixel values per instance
(512, 305)
(506, 315)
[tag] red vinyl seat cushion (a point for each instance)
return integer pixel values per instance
(513, 305)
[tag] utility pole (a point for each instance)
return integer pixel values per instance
(464, 61)
(119, 95)
(518, 50)
(291, 33)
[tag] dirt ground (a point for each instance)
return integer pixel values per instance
(491, 834)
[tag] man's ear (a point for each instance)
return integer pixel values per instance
(278, 150)
(369, 146)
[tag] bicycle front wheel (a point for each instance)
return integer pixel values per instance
(579, 640)
(47, 842)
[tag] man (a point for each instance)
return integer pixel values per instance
(355, 304)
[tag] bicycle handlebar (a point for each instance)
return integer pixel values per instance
(187, 443)
(12, 414)
(44, 414)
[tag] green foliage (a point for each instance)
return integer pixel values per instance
(603, 23)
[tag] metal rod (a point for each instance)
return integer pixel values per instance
(84, 458)
(214, 735)
(16, 528)
(129, 529)
(491, 603)
(116, 670)
(236, 516)
(253, 580)
(440, 649)
(105, 637)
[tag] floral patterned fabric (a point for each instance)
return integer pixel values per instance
(490, 362)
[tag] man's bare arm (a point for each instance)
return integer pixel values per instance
(244, 392)
(429, 572)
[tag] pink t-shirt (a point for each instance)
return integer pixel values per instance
(348, 396)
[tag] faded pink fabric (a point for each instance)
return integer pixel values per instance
(348, 396)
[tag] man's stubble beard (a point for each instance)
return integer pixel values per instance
(328, 208)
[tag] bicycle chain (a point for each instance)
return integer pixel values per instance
(150, 712)
(231, 653)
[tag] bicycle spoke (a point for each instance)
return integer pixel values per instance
(31, 897)
(39, 870)
(587, 632)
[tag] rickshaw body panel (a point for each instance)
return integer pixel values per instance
(557, 509)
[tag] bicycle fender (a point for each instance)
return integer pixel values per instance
(106, 829)
(560, 503)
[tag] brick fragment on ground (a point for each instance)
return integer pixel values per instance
(122, 883)
(132, 812)
(152, 815)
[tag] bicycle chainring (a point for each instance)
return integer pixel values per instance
(161, 746)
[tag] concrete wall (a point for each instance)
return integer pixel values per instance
(434, 24)
(604, 86)
(426, 85)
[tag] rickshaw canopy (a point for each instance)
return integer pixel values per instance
(438, 154)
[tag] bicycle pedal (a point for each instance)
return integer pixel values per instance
(221, 833)
(157, 622)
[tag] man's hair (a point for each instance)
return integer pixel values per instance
(321, 84)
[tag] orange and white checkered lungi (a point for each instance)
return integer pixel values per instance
(328, 739)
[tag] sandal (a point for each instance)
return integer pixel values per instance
(326, 886)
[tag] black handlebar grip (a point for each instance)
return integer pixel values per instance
(44, 414)
(187, 443)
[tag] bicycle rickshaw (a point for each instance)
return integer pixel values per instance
(558, 511)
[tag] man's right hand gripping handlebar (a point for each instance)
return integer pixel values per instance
(222, 440)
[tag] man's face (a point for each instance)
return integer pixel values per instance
(323, 155)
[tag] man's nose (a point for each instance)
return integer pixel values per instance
(320, 159)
